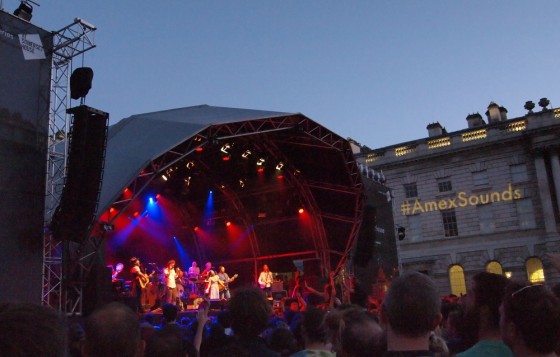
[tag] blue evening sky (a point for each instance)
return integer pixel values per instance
(375, 71)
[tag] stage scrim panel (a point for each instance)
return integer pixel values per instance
(25, 69)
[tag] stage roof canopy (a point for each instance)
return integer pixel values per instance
(261, 168)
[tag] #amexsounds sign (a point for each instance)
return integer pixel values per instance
(462, 199)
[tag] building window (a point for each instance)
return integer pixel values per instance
(480, 178)
(449, 223)
(414, 231)
(444, 185)
(486, 218)
(535, 271)
(525, 213)
(457, 280)
(410, 190)
(494, 267)
(518, 173)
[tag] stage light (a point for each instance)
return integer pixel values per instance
(198, 149)
(228, 223)
(225, 148)
(151, 200)
(260, 161)
(164, 177)
(195, 228)
(24, 11)
(189, 165)
(280, 165)
(158, 196)
(246, 154)
(260, 169)
(280, 176)
(226, 157)
(241, 183)
(136, 214)
(301, 210)
(187, 181)
(111, 210)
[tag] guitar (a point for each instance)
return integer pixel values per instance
(144, 279)
(226, 283)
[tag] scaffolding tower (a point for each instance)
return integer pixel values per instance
(69, 42)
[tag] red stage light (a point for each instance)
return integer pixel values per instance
(280, 177)
(225, 158)
(158, 196)
(136, 214)
(228, 223)
(301, 210)
(199, 149)
(111, 210)
(196, 228)
(260, 169)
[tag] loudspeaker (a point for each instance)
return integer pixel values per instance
(97, 291)
(84, 170)
(216, 305)
(278, 295)
(80, 82)
(277, 286)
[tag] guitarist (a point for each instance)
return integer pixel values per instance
(139, 283)
(224, 277)
(265, 281)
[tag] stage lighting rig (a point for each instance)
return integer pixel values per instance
(25, 10)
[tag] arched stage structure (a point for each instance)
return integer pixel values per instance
(235, 187)
(174, 179)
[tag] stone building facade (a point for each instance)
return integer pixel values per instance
(482, 198)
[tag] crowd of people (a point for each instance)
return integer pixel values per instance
(497, 317)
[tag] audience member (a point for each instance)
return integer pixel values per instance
(313, 332)
(410, 312)
(482, 316)
(530, 320)
(250, 312)
(353, 332)
(113, 331)
(31, 330)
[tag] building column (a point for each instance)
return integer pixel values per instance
(544, 193)
(555, 164)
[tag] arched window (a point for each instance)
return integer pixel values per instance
(535, 271)
(457, 280)
(494, 267)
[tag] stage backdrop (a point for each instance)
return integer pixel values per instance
(25, 72)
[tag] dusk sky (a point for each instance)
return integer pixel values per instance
(374, 71)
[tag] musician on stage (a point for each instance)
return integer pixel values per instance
(205, 273)
(224, 277)
(193, 273)
(265, 281)
(214, 284)
(137, 282)
(170, 282)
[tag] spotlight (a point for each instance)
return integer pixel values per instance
(228, 223)
(225, 148)
(24, 11)
(280, 165)
(301, 210)
(246, 154)
(164, 177)
(241, 183)
(226, 157)
(260, 161)
(401, 232)
(195, 228)
(198, 149)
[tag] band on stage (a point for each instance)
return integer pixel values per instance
(153, 286)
